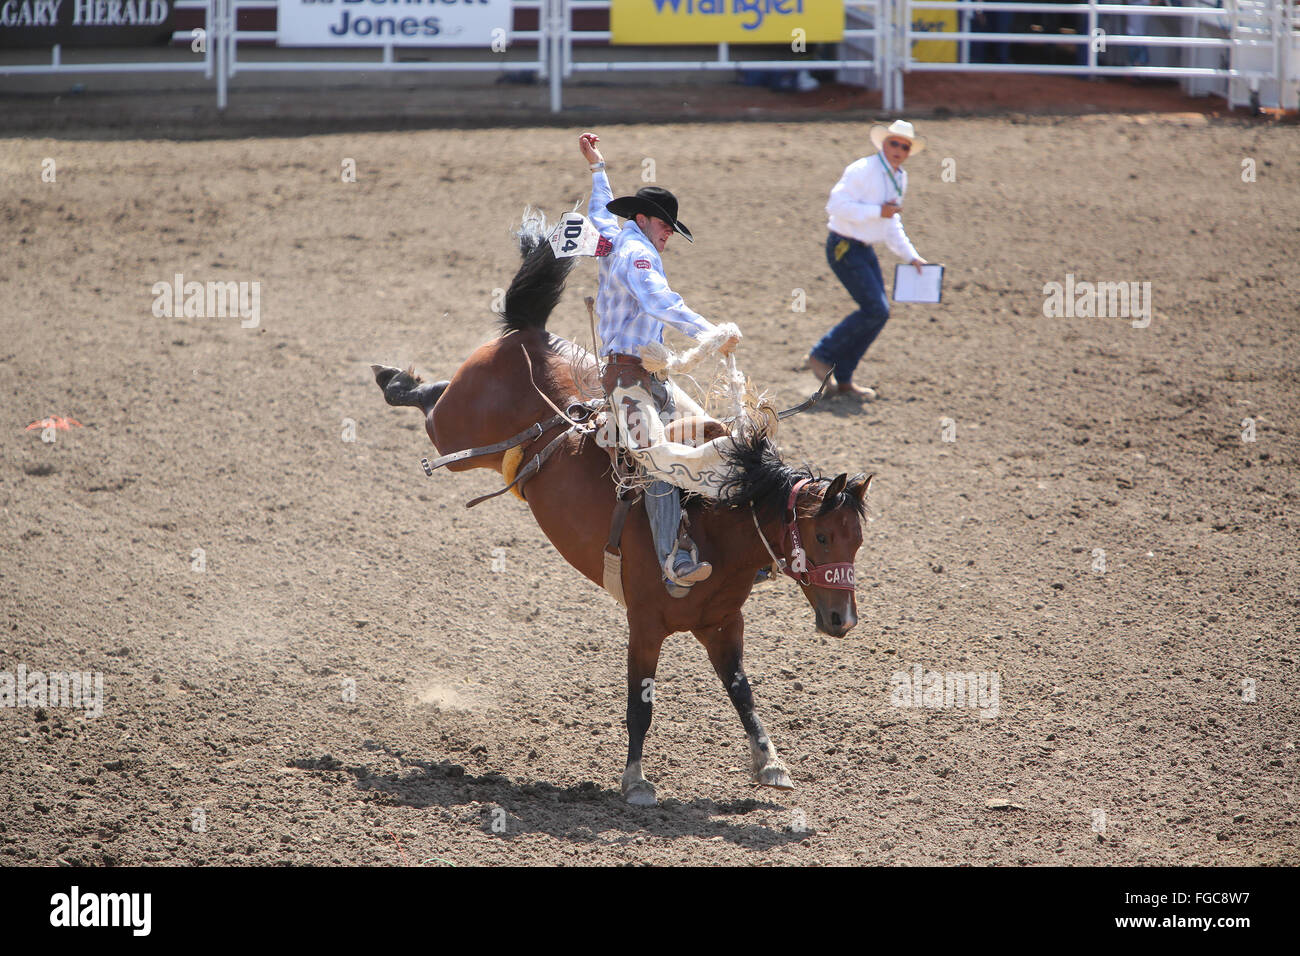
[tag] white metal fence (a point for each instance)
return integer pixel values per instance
(202, 60)
(417, 59)
(1258, 40)
(1245, 50)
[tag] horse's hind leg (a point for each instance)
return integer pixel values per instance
(406, 388)
(726, 647)
(642, 661)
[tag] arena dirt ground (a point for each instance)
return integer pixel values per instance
(1147, 713)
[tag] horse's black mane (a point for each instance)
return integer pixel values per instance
(760, 478)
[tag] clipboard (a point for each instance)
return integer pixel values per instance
(910, 287)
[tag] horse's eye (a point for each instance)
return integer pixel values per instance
(821, 538)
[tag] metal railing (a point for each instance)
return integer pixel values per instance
(189, 64)
(1243, 17)
(1259, 41)
(230, 64)
(1092, 42)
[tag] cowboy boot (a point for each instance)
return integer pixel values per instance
(681, 568)
(684, 560)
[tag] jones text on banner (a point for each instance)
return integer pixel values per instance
(386, 23)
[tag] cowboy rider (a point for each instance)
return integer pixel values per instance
(634, 303)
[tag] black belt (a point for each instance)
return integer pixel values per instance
(622, 358)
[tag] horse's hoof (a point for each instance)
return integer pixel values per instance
(640, 794)
(775, 776)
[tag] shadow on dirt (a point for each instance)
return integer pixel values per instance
(578, 813)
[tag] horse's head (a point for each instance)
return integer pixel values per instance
(820, 527)
(825, 537)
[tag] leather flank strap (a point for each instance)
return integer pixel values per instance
(528, 434)
(534, 465)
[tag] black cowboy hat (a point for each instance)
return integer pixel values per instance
(651, 201)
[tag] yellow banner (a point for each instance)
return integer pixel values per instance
(672, 22)
(934, 21)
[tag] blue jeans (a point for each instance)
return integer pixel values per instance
(859, 270)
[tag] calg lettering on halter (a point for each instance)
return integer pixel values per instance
(837, 574)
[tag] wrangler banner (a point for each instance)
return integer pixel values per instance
(934, 21)
(670, 22)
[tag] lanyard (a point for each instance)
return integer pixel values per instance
(890, 172)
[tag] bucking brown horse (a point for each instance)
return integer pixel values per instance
(769, 511)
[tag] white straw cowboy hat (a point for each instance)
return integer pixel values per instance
(900, 128)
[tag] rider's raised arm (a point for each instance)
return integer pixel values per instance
(603, 219)
(651, 290)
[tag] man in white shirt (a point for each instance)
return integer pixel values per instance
(864, 208)
(634, 303)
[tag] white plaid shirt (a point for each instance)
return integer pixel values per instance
(633, 299)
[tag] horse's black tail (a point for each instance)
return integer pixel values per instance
(537, 286)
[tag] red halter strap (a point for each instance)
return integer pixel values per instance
(838, 575)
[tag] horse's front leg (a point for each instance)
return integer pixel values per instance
(642, 660)
(726, 647)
